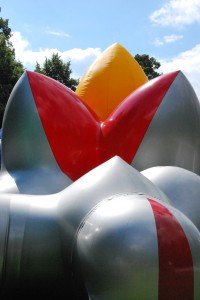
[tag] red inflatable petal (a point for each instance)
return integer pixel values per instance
(127, 125)
(71, 127)
(78, 139)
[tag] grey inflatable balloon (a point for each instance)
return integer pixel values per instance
(37, 233)
(181, 186)
(173, 137)
(128, 248)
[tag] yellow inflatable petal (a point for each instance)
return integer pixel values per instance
(110, 79)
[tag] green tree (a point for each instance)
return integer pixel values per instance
(55, 68)
(10, 68)
(149, 65)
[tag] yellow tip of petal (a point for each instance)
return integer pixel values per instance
(110, 79)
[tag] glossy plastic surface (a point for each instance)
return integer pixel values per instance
(110, 79)
(136, 247)
(37, 233)
(112, 233)
(60, 138)
(181, 186)
(26, 154)
(176, 274)
(79, 140)
(173, 137)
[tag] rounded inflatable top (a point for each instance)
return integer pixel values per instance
(110, 79)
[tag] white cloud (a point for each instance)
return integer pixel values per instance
(167, 39)
(177, 13)
(80, 58)
(189, 63)
(19, 43)
(58, 33)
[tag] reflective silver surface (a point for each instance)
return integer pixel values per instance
(117, 248)
(115, 233)
(181, 186)
(173, 137)
(7, 183)
(107, 211)
(26, 154)
(38, 232)
(119, 252)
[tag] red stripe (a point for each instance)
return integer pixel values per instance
(176, 274)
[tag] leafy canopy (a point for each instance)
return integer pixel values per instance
(10, 69)
(55, 68)
(149, 65)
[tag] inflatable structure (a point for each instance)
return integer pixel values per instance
(0, 143)
(99, 188)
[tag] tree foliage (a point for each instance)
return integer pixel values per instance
(55, 68)
(149, 65)
(10, 68)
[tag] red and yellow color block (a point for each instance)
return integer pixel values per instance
(110, 79)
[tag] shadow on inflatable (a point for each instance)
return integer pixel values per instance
(99, 188)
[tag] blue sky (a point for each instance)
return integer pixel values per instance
(81, 30)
